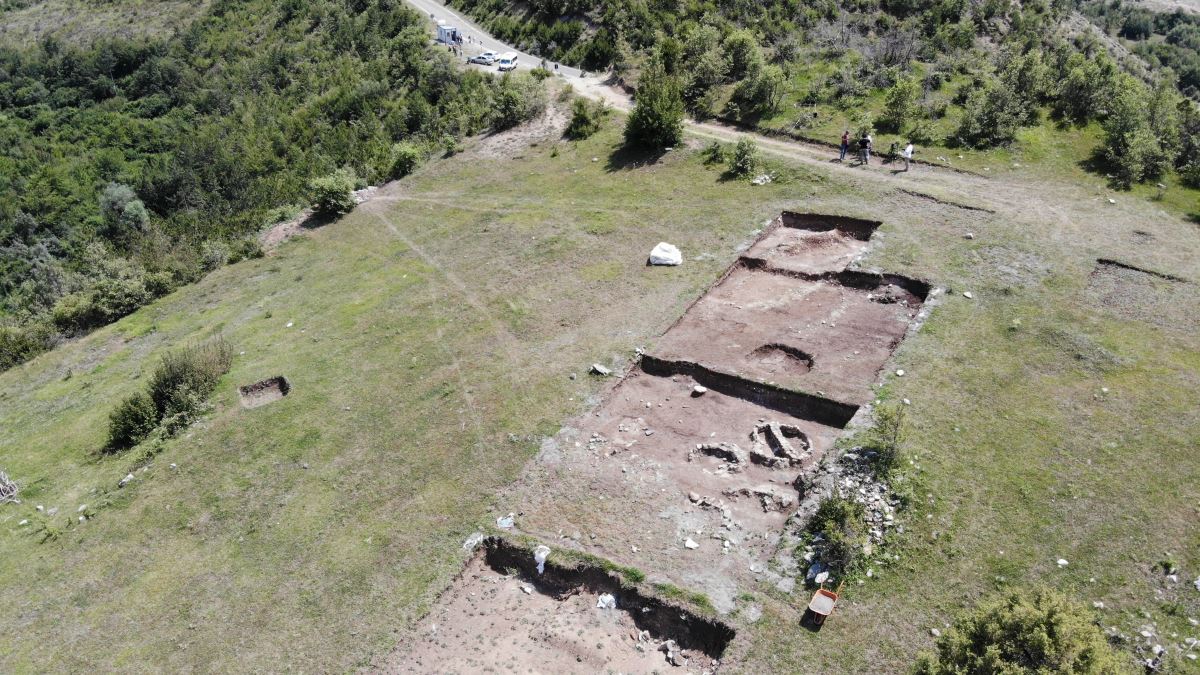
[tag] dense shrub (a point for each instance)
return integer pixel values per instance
(657, 118)
(333, 194)
(1037, 631)
(19, 343)
(586, 118)
(131, 422)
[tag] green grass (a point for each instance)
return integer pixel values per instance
(434, 334)
(74, 21)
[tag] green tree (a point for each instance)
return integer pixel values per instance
(992, 115)
(900, 104)
(586, 118)
(743, 54)
(745, 159)
(1133, 145)
(657, 117)
(1038, 632)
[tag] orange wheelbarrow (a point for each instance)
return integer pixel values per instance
(822, 604)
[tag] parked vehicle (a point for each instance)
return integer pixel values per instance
(508, 61)
(485, 59)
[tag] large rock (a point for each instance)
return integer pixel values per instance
(665, 254)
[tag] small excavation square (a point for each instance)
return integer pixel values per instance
(1159, 299)
(812, 244)
(806, 335)
(266, 391)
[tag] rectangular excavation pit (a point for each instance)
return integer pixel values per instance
(1138, 294)
(264, 391)
(501, 615)
(812, 244)
(827, 336)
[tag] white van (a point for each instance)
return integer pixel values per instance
(507, 61)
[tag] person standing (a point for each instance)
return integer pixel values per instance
(870, 146)
(845, 145)
(907, 154)
(864, 156)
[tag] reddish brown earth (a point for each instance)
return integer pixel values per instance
(692, 487)
(849, 333)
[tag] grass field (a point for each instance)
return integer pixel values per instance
(433, 334)
(75, 21)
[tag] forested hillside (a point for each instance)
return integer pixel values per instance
(131, 166)
(945, 74)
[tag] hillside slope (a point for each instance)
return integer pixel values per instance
(430, 338)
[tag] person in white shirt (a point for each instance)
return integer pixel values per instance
(907, 154)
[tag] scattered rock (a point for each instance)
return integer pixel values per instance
(900, 372)
(600, 370)
(1111, 200)
(125, 481)
(505, 522)
(699, 390)
(606, 601)
(689, 543)
(969, 235)
(935, 632)
(1098, 605)
(968, 295)
(23, 523)
(472, 542)
(81, 509)
(1062, 562)
(762, 179)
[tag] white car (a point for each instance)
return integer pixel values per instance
(485, 59)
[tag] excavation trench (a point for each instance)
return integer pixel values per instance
(689, 469)
(264, 391)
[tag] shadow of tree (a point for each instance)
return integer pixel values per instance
(626, 157)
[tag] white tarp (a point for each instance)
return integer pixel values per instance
(665, 254)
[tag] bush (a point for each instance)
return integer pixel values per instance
(75, 313)
(1039, 632)
(885, 439)
(586, 118)
(18, 344)
(185, 377)
(244, 249)
(333, 194)
(657, 118)
(519, 98)
(406, 157)
(213, 254)
(745, 158)
(132, 421)
(839, 523)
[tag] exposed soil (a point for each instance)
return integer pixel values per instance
(266, 391)
(846, 332)
(812, 245)
(502, 615)
(693, 464)
(1157, 298)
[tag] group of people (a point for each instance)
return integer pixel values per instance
(866, 145)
